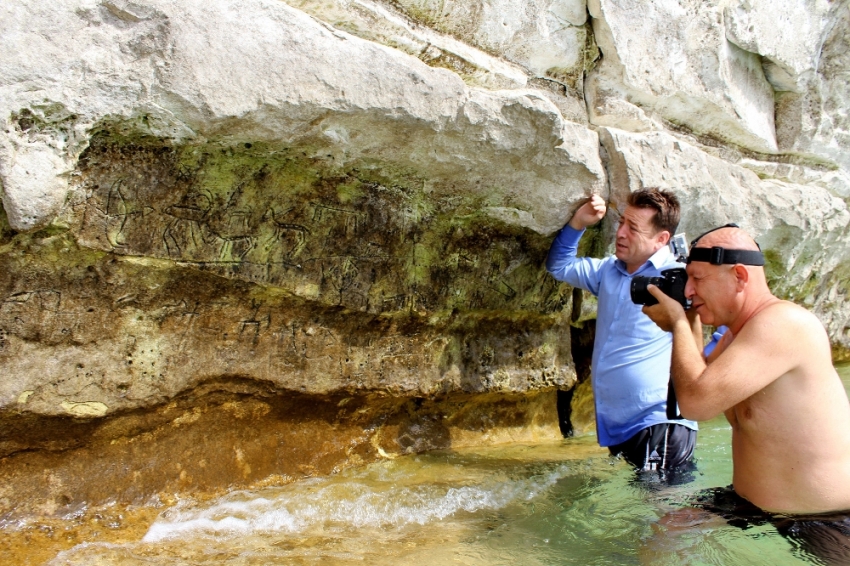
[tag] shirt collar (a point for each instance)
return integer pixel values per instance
(658, 260)
(661, 257)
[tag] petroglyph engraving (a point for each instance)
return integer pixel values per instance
(287, 241)
(350, 218)
(342, 241)
(252, 327)
(116, 215)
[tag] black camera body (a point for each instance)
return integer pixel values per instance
(671, 282)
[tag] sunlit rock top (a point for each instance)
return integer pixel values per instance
(263, 71)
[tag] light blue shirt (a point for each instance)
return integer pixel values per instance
(715, 338)
(631, 355)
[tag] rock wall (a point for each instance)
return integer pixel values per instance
(323, 200)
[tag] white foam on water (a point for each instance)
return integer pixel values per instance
(349, 503)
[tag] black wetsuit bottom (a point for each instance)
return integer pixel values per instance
(825, 536)
(665, 446)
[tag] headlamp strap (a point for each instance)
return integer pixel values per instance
(719, 256)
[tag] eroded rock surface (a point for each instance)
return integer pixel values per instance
(199, 71)
(89, 333)
(271, 213)
(241, 433)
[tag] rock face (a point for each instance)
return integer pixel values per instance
(276, 205)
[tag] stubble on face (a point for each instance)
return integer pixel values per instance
(636, 237)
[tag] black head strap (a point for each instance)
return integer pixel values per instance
(719, 256)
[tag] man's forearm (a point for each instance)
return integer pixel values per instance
(696, 329)
(563, 250)
(562, 263)
(687, 366)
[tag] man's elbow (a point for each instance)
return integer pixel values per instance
(693, 410)
(557, 269)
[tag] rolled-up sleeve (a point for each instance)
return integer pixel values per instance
(562, 263)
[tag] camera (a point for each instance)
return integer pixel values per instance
(671, 282)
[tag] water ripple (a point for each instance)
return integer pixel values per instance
(345, 503)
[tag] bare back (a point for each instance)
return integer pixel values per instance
(791, 437)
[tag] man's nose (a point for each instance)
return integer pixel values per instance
(689, 289)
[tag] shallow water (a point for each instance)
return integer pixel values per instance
(563, 502)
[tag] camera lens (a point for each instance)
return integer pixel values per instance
(640, 294)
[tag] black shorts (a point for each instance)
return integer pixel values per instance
(825, 536)
(665, 446)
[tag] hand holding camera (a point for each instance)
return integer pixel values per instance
(671, 282)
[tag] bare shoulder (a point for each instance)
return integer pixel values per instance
(784, 323)
(789, 314)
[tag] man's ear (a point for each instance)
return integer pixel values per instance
(742, 275)
(663, 238)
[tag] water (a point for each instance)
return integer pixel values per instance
(560, 503)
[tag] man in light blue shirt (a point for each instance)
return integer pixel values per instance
(630, 369)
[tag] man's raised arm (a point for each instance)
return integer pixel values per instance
(562, 262)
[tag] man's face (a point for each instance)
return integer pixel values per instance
(712, 290)
(637, 238)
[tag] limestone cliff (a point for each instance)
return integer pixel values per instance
(329, 218)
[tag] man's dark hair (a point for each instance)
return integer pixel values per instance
(665, 204)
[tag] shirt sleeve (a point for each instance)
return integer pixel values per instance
(715, 338)
(562, 263)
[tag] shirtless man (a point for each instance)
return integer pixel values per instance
(771, 374)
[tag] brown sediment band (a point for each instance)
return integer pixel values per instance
(234, 433)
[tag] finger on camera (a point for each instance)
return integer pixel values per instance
(655, 291)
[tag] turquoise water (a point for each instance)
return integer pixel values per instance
(559, 503)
